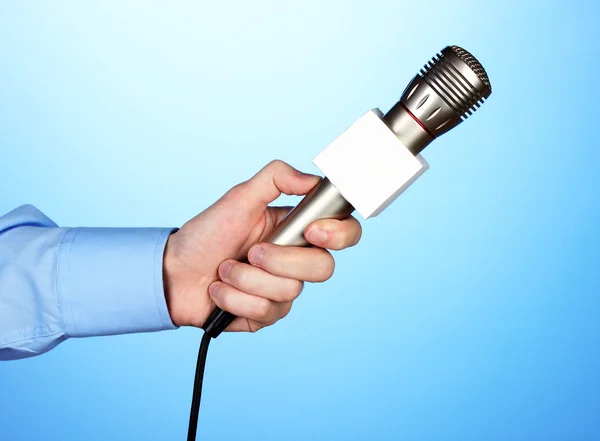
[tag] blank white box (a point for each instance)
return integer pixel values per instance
(369, 165)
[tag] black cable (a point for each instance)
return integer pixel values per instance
(195, 409)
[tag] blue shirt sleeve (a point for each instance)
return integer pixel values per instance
(57, 283)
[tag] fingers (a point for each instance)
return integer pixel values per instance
(275, 178)
(309, 264)
(255, 281)
(279, 213)
(241, 304)
(334, 234)
(241, 324)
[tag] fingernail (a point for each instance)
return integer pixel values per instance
(316, 235)
(213, 289)
(225, 267)
(255, 255)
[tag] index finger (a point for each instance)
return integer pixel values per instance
(275, 178)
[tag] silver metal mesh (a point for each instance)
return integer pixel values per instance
(473, 64)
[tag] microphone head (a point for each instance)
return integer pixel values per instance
(447, 90)
(459, 79)
(483, 85)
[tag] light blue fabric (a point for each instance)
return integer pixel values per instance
(57, 283)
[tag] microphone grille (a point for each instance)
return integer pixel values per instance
(459, 79)
(473, 64)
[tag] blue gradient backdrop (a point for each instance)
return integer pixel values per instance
(470, 311)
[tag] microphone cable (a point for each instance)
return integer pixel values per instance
(197, 391)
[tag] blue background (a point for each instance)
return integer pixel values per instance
(470, 309)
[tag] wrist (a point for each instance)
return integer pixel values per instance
(186, 298)
(169, 279)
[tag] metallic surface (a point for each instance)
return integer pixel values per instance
(485, 88)
(322, 202)
(408, 131)
(450, 86)
(448, 89)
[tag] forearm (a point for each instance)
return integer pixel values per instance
(57, 283)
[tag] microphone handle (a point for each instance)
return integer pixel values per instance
(324, 201)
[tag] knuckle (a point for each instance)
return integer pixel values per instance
(237, 191)
(326, 269)
(262, 309)
(286, 310)
(293, 291)
(298, 288)
(276, 164)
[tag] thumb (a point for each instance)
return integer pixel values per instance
(275, 178)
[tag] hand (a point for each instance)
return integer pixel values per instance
(202, 262)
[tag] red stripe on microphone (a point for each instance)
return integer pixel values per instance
(417, 121)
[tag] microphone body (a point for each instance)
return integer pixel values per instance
(378, 157)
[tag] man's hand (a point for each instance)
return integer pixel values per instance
(202, 262)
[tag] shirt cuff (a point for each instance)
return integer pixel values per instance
(110, 281)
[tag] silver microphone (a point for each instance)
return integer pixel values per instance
(378, 157)
(445, 92)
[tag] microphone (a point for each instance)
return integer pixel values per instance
(372, 162)
(379, 156)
